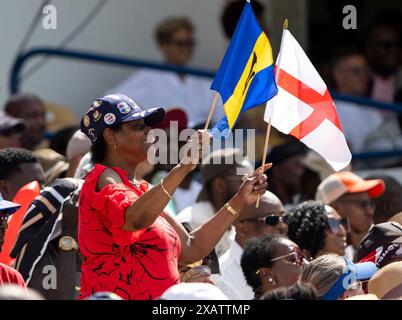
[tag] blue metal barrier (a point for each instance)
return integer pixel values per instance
(139, 63)
(95, 57)
(367, 102)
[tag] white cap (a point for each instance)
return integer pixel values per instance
(193, 291)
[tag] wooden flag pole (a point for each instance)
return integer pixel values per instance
(211, 110)
(285, 24)
(264, 156)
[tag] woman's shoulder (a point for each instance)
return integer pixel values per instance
(112, 176)
(108, 176)
(101, 176)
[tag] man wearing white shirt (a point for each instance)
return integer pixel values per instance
(221, 181)
(267, 218)
(351, 77)
(167, 89)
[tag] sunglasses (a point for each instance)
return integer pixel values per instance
(335, 224)
(271, 219)
(296, 257)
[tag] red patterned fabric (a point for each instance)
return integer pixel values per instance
(9, 275)
(135, 265)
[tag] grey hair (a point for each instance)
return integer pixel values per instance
(323, 272)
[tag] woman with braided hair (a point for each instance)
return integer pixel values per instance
(317, 228)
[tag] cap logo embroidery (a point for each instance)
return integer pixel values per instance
(110, 118)
(97, 115)
(91, 133)
(124, 108)
(97, 103)
(86, 120)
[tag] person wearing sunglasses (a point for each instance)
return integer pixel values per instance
(270, 262)
(268, 218)
(337, 278)
(353, 198)
(317, 228)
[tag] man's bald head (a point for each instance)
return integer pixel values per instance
(269, 204)
(253, 221)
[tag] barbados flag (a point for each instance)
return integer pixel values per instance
(245, 78)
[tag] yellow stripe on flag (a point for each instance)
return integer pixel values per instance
(260, 58)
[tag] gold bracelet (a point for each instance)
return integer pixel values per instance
(164, 190)
(231, 210)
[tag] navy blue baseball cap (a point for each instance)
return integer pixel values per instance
(8, 206)
(113, 109)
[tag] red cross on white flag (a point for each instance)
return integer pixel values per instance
(304, 107)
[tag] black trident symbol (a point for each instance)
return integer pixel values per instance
(252, 72)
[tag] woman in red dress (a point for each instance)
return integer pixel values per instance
(129, 246)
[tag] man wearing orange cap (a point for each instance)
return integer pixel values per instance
(352, 197)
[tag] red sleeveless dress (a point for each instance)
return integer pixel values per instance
(135, 265)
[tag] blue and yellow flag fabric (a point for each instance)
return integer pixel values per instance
(245, 78)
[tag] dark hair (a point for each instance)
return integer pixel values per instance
(280, 153)
(346, 51)
(12, 158)
(310, 181)
(258, 252)
(232, 12)
(61, 138)
(99, 147)
(298, 291)
(385, 19)
(19, 100)
(209, 183)
(168, 27)
(390, 202)
(307, 224)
